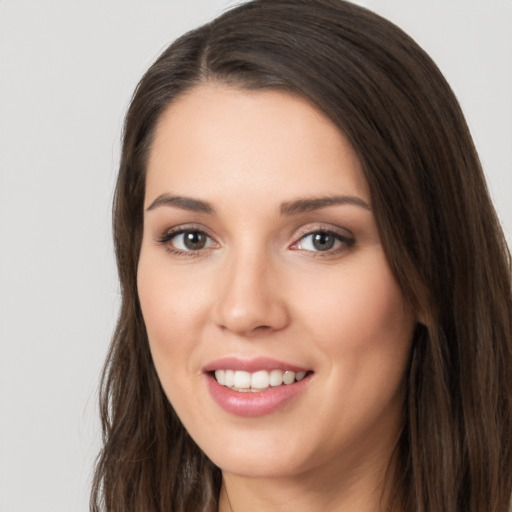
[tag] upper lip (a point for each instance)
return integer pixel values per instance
(251, 365)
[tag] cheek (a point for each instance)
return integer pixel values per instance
(376, 313)
(363, 330)
(168, 310)
(362, 326)
(359, 304)
(168, 294)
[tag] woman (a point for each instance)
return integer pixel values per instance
(316, 291)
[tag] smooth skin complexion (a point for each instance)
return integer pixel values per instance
(260, 248)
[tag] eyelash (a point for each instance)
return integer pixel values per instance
(345, 242)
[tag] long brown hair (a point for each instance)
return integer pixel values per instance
(437, 226)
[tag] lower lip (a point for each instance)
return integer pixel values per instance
(257, 403)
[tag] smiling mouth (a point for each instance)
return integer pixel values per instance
(246, 382)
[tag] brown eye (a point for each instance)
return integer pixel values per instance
(194, 240)
(187, 240)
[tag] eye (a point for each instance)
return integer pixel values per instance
(190, 240)
(323, 241)
(186, 240)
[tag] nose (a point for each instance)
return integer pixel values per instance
(250, 302)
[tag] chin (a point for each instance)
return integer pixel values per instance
(260, 456)
(257, 466)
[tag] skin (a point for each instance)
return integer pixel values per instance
(260, 288)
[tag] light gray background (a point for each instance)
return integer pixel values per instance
(67, 70)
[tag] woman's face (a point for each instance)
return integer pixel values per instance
(261, 263)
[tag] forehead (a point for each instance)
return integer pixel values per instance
(216, 136)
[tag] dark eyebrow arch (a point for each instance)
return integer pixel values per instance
(185, 203)
(311, 204)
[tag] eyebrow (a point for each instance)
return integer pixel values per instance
(287, 208)
(311, 204)
(185, 203)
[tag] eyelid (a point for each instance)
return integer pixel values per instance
(324, 227)
(181, 228)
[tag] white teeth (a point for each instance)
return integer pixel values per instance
(230, 378)
(260, 380)
(245, 381)
(242, 380)
(220, 375)
(276, 377)
(289, 377)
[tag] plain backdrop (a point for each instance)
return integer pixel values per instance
(67, 71)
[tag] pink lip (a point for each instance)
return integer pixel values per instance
(250, 403)
(254, 404)
(251, 365)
